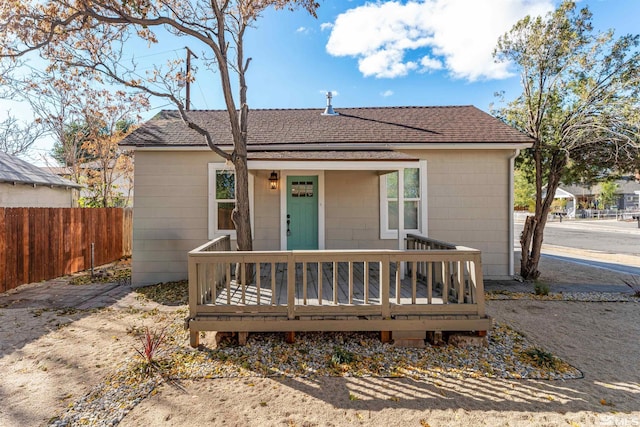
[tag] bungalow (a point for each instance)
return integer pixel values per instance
(355, 178)
(587, 196)
(25, 185)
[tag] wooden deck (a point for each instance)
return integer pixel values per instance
(431, 286)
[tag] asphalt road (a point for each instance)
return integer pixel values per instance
(607, 236)
(588, 242)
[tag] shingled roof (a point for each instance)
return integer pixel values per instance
(17, 171)
(353, 126)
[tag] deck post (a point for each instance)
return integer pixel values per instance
(194, 338)
(193, 298)
(193, 285)
(385, 309)
(242, 338)
(290, 337)
(479, 284)
(401, 234)
(291, 285)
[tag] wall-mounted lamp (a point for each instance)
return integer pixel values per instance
(273, 180)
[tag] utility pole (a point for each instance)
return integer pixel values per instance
(188, 82)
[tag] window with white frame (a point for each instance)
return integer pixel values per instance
(225, 199)
(412, 187)
(222, 199)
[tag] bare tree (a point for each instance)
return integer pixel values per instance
(16, 137)
(92, 34)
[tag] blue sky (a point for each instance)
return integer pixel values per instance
(394, 53)
(353, 46)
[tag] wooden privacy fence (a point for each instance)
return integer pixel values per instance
(43, 243)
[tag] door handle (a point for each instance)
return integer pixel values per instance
(288, 225)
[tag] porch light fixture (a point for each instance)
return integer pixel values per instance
(273, 180)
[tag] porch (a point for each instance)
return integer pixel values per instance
(428, 286)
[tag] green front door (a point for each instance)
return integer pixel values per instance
(302, 212)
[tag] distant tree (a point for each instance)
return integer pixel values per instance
(524, 191)
(92, 35)
(68, 151)
(607, 196)
(580, 104)
(106, 165)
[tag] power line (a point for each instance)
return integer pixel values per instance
(204, 98)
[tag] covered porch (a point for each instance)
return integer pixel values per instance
(426, 286)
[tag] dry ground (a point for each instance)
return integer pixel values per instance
(51, 358)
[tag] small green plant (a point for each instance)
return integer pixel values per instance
(540, 288)
(634, 283)
(541, 358)
(341, 356)
(151, 344)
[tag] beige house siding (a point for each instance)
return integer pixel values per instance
(352, 211)
(28, 196)
(170, 214)
(266, 214)
(467, 204)
(468, 196)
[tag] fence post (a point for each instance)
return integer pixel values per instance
(93, 250)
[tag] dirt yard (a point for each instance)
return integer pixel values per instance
(52, 357)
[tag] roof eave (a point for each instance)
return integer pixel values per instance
(346, 146)
(40, 184)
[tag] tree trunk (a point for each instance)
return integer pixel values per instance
(525, 244)
(241, 216)
(531, 244)
(533, 233)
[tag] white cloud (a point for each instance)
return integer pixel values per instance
(386, 63)
(386, 93)
(302, 30)
(428, 63)
(457, 35)
(326, 26)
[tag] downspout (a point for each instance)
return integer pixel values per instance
(512, 162)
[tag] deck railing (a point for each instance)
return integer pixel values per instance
(429, 278)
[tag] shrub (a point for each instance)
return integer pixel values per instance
(540, 288)
(151, 343)
(341, 356)
(541, 358)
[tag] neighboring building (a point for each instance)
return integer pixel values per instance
(587, 196)
(336, 179)
(122, 191)
(25, 185)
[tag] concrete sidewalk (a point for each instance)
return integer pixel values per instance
(603, 225)
(63, 293)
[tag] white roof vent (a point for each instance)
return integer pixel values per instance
(329, 110)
